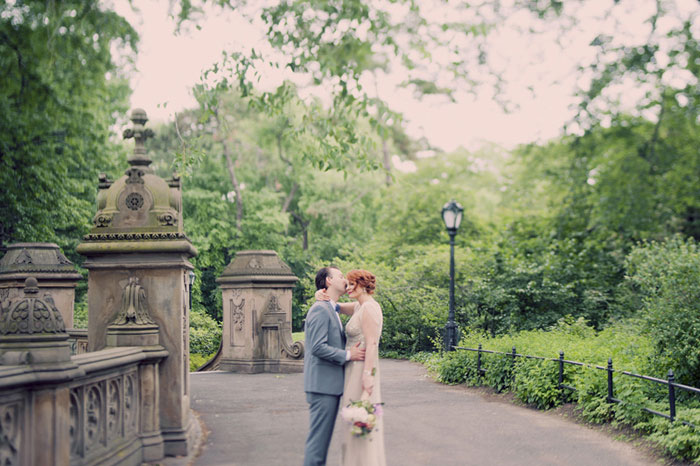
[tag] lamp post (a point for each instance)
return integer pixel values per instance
(452, 216)
(193, 277)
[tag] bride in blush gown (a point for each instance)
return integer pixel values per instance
(362, 378)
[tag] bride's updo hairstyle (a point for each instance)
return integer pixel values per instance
(364, 279)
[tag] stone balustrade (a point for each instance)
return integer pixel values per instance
(99, 408)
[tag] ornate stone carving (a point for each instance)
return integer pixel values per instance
(135, 176)
(29, 258)
(102, 220)
(276, 318)
(237, 315)
(134, 308)
(273, 304)
(93, 421)
(104, 182)
(114, 412)
(134, 236)
(10, 434)
(254, 263)
(75, 426)
(129, 402)
(294, 350)
(31, 314)
(63, 260)
(174, 182)
(167, 219)
(23, 258)
(140, 133)
(134, 201)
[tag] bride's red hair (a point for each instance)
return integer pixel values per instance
(364, 279)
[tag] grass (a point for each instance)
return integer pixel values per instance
(297, 336)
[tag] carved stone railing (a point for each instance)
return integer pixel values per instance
(78, 339)
(99, 408)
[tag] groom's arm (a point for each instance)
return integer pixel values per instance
(317, 324)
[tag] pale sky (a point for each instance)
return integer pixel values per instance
(168, 65)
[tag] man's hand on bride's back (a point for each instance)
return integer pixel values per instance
(321, 295)
(357, 353)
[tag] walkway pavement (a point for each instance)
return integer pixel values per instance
(262, 419)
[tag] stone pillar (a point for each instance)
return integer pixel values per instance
(133, 326)
(45, 262)
(32, 333)
(137, 256)
(257, 305)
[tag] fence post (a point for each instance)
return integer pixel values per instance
(561, 368)
(512, 370)
(478, 361)
(672, 395)
(610, 380)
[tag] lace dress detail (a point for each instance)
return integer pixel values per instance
(369, 450)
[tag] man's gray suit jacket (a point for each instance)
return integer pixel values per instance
(325, 350)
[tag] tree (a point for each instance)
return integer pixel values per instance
(59, 91)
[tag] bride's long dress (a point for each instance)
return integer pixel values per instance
(368, 450)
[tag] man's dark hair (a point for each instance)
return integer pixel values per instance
(321, 276)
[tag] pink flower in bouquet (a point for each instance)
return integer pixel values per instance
(362, 416)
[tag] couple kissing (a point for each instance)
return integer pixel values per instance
(341, 368)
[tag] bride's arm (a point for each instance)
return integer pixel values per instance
(371, 321)
(345, 308)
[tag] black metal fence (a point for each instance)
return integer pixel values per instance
(671, 383)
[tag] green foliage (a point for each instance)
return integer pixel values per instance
(680, 440)
(205, 334)
(59, 92)
(198, 360)
(80, 315)
(537, 383)
(666, 278)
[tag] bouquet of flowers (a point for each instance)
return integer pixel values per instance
(362, 415)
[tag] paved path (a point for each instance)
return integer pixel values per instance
(262, 419)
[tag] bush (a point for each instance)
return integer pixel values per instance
(80, 314)
(198, 360)
(205, 334)
(666, 277)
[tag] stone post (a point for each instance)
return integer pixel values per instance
(32, 333)
(257, 306)
(44, 261)
(137, 256)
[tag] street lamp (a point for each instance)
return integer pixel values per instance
(193, 277)
(452, 216)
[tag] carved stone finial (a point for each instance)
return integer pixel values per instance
(134, 309)
(31, 314)
(140, 133)
(31, 286)
(104, 182)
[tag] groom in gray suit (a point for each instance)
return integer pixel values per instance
(323, 364)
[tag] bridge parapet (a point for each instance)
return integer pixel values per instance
(94, 408)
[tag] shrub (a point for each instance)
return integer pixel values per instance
(537, 383)
(205, 334)
(80, 314)
(666, 277)
(198, 360)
